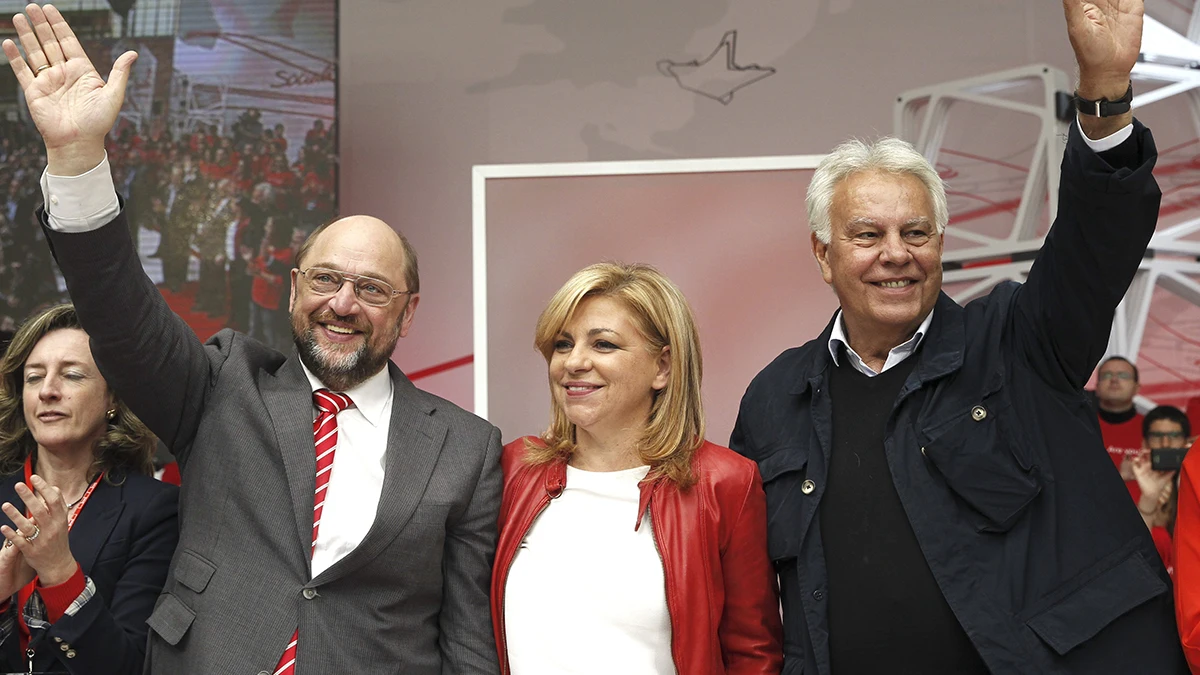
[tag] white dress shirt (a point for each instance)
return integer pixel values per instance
(896, 355)
(356, 481)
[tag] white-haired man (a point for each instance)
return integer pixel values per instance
(939, 498)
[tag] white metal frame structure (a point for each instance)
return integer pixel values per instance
(921, 117)
(481, 174)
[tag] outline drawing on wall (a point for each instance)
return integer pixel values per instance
(708, 78)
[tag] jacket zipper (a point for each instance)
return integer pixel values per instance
(30, 653)
(504, 591)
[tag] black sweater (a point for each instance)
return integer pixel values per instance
(886, 612)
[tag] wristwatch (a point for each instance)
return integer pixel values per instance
(1104, 107)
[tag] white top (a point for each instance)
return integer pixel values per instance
(356, 482)
(895, 356)
(586, 593)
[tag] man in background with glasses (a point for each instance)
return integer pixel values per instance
(334, 518)
(1120, 422)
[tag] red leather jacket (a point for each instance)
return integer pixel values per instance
(721, 591)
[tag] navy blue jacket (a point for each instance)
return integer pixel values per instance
(1028, 530)
(123, 539)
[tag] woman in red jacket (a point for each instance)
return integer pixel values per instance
(628, 543)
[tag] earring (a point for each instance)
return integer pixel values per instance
(111, 414)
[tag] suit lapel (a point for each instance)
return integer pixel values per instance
(415, 441)
(288, 397)
(95, 524)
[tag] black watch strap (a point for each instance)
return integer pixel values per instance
(1104, 107)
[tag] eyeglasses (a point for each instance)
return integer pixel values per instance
(371, 291)
(1165, 435)
(1123, 376)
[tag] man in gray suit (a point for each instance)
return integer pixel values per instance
(395, 578)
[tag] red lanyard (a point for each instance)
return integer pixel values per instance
(78, 506)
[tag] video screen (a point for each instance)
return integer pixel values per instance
(225, 154)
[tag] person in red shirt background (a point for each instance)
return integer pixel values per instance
(1164, 427)
(1120, 423)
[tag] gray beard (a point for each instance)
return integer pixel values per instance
(343, 371)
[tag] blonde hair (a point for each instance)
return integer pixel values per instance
(127, 446)
(660, 312)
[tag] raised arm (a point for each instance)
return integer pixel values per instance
(145, 352)
(1107, 208)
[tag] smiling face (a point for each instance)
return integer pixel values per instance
(884, 258)
(341, 339)
(63, 394)
(604, 373)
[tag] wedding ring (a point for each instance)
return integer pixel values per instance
(41, 68)
(36, 531)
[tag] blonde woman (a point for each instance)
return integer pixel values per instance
(629, 544)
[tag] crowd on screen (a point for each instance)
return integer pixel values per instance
(232, 201)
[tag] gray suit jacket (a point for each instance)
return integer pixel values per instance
(412, 598)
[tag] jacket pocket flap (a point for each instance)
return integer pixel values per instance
(781, 462)
(171, 619)
(193, 571)
(1087, 610)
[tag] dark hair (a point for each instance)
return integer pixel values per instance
(1136, 375)
(126, 447)
(1169, 413)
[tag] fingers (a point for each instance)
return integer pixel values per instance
(121, 69)
(18, 65)
(29, 42)
(25, 525)
(71, 48)
(49, 497)
(14, 538)
(45, 35)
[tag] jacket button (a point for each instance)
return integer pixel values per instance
(818, 595)
(807, 487)
(70, 653)
(264, 672)
(923, 451)
(64, 647)
(57, 639)
(978, 413)
(309, 593)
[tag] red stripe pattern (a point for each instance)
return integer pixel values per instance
(325, 435)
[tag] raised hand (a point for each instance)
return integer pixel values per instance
(71, 105)
(1107, 38)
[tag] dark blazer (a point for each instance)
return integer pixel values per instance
(124, 539)
(996, 454)
(411, 598)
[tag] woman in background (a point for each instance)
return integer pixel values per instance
(89, 534)
(629, 544)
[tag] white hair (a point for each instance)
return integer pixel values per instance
(887, 154)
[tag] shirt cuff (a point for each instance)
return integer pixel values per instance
(1108, 142)
(60, 598)
(80, 203)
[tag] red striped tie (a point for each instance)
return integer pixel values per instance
(325, 435)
